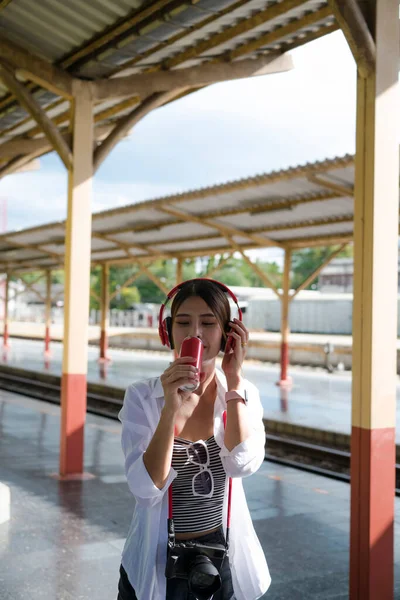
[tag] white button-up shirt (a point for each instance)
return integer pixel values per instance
(145, 552)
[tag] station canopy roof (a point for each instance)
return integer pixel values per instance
(297, 207)
(103, 40)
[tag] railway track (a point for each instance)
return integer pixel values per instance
(107, 401)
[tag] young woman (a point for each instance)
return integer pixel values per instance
(163, 428)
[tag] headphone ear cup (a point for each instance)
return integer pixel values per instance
(168, 329)
(223, 343)
(164, 334)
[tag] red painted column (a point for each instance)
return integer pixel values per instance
(104, 309)
(6, 343)
(77, 286)
(376, 216)
(285, 380)
(47, 315)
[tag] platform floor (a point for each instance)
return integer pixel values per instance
(317, 399)
(64, 539)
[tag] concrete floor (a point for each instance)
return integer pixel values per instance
(63, 540)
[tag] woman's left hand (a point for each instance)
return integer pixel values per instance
(235, 351)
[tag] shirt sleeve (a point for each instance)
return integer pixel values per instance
(136, 436)
(247, 457)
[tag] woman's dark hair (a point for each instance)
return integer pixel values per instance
(213, 295)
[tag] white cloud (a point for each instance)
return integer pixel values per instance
(41, 197)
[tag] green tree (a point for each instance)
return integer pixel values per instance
(305, 261)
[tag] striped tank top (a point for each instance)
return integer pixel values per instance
(198, 490)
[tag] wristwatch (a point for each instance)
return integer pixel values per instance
(240, 394)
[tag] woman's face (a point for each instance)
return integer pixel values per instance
(195, 318)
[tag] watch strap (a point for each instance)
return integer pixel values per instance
(236, 395)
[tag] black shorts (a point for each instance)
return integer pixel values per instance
(177, 589)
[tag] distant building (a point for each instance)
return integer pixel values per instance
(337, 277)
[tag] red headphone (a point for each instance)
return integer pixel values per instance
(165, 325)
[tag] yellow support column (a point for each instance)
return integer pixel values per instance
(77, 285)
(6, 343)
(47, 315)
(285, 380)
(179, 271)
(104, 308)
(375, 316)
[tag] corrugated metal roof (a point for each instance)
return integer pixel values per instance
(102, 38)
(280, 207)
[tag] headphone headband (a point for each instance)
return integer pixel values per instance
(176, 289)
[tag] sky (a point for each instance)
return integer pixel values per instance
(226, 131)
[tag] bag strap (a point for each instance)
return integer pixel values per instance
(170, 507)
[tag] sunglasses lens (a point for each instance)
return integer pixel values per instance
(198, 454)
(203, 483)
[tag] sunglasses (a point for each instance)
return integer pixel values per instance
(202, 482)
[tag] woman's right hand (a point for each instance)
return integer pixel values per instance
(178, 373)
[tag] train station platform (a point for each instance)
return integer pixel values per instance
(317, 400)
(305, 348)
(63, 539)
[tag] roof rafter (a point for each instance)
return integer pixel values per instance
(127, 122)
(144, 84)
(224, 229)
(318, 240)
(280, 32)
(263, 276)
(181, 35)
(355, 29)
(342, 190)
(18, 162)
(243, 26)
(123, 245)
(124, 25)
(23, 145)
(37, 69)
(36, 111)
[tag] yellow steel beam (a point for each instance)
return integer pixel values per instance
(224, 229)
(65, 116)
(355, 29)
(123, 245)
(326, 240)
(126, 284)
(127, 122)
(17, 163)
(342, 190)
(95, 296)
(145, 84)
(219, 266)
(225, 212)
(310, 37)
(37, 113)
(29, 286)
(23, 146)
(280, 32)
(307, 223)
(180, 36)
(243, 26)
(263, 276)
(179, 270)
(155, 279)
(4, 3)
(318, 270)
(123, 25)
(36, 247)
(37, 69)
